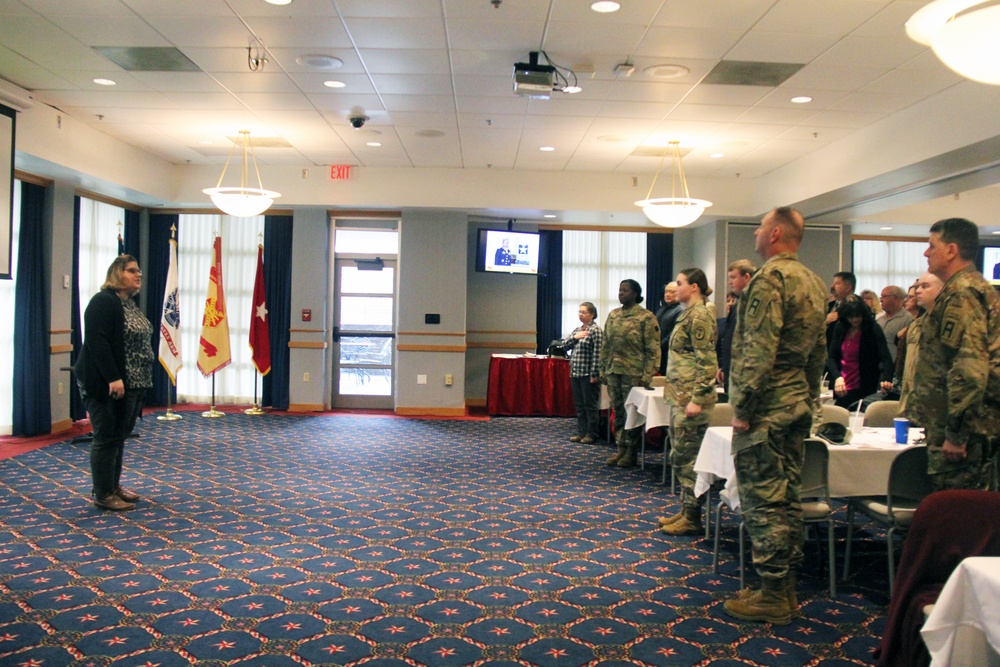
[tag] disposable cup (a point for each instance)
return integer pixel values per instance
(902, 430)
(857, 423)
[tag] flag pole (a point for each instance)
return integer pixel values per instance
(212, 413)
(169, 415)
(256, 410)
(170, 350)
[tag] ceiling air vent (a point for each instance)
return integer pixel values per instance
(747, 73)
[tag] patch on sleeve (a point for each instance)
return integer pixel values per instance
(700, 332)
(753, 308)
(951, 331)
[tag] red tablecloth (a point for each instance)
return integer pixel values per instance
(526, 386)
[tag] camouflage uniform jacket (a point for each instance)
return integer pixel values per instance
(910, 368)
(957, 383)
(692, 364)
(779, 347)
(631, 343)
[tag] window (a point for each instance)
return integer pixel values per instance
(878, 264)
(100, 225)
(234, 384)
(594, 263)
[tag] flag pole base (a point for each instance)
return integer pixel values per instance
(169, 416)
(212, 413)
(255, 410)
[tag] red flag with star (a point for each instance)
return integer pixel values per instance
(260, 336)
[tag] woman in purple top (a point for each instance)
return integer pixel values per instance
(859, 359)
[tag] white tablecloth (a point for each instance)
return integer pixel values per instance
(860, 468)
(964, 628)
(646, 406)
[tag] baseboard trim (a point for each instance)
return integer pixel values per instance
(433, 412)
(60, 426)
(306, 407)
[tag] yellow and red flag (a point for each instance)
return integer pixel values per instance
(213, 349)
(260, 336)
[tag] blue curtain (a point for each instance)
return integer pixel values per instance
(131, 232)
(32, 406)
(155, 274)
(659, 267)
(77, 410)
(278, 288)
(548, 310)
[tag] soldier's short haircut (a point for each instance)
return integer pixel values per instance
(963, 233)
(848, 278)
(790, 222)
(744, 266)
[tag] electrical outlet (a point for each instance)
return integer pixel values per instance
(448, 380)
(305, 377)
(421, 379)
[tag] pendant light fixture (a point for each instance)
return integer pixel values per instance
(966, 42)
(673, 211)
(242, 201)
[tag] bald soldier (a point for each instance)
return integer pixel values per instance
(956, 388)
(779, 350)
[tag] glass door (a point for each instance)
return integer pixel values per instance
(364, 333)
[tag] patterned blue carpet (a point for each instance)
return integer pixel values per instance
(361, 540)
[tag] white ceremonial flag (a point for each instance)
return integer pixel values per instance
(170, 323)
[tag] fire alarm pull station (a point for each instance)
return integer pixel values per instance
(307, 315)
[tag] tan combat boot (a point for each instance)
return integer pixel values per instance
(614, 458)
(667, 520)
(628, 459)
(771, 606)
(753, 594)
(688, 524)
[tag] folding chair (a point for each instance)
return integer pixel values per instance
(837, 415)
(881, 414)
(816, 508)
(909, 483)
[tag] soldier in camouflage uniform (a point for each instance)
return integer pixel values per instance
(690, 390)
(956, 393)
(630, 357)
(927, 289)
(779, 350)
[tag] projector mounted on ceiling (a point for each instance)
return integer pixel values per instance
(532, 79)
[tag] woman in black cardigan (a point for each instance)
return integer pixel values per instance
(859, 359)
(113, 372)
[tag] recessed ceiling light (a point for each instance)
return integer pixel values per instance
(886, 229)
(105, 82)
(994, 232)
(334, 84)
(373, 144)
(319, 61)
(716, 156)
(802, 99)
(606, 6)
(546, 149)
(278, 2)
(572, 89)
(549, 215)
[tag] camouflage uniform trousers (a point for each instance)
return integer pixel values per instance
(618, 388)
(769, 475)
(975, 472)
(686, 434)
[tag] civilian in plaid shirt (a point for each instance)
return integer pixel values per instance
(584, 376)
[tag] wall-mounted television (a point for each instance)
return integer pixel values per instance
(502, 251)
(990, 264)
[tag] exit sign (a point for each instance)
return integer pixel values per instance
(340, 172)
